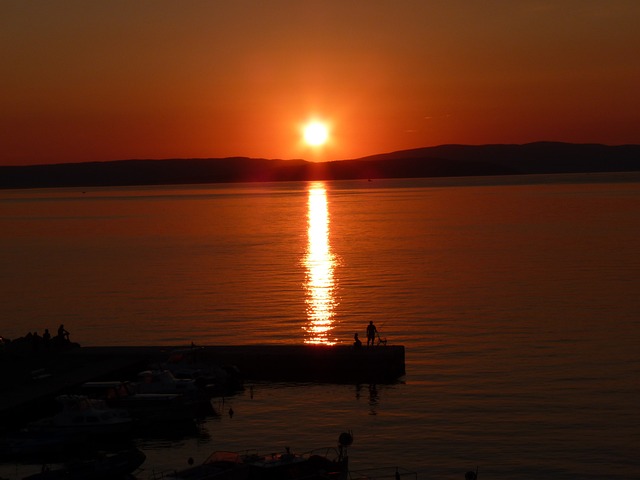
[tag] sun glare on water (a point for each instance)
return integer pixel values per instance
(320, 262)
(315, 133)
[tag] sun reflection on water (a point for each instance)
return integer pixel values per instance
(320, 263)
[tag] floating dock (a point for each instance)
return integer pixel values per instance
(32, 378)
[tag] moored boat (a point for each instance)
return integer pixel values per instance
(214, 379)
(82, 414)
(325, 463)
(144, 407)
(163, 381)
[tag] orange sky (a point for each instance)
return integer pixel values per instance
(115, 79)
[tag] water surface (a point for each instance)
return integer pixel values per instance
(516, 299)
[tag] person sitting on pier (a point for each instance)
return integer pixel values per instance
(371, 334)
(36, 341)
(62, 333)
(356, 341)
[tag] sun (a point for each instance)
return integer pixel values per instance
(315, 133)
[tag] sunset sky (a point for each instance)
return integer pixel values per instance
(86, 80)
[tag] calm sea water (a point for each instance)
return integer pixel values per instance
(516, 299)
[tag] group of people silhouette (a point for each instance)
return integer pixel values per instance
(372, 336)
(46, 341)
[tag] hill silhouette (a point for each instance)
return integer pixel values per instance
(439, 161)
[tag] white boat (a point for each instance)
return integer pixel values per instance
(82, 414)
(143, 407)
(163, 381)
(185, 363)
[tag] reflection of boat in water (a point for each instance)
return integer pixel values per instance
(105, 467)
(82, 414)
(326, 463)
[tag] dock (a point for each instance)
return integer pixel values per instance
(31, 379)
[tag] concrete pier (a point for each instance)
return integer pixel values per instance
(31, 378)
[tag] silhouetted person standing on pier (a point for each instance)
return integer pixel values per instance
(46, 338)
(371, 334)
(356, 341)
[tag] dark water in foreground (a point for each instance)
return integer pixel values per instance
(516, 300)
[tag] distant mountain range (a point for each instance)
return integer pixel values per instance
(440, 161)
